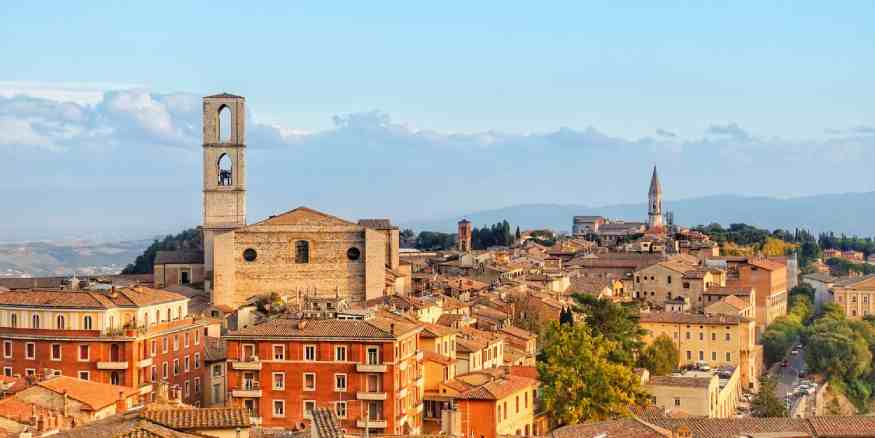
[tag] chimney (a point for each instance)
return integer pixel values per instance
(121, 405)
(66, 408)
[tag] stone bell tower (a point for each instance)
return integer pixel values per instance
(224, 178)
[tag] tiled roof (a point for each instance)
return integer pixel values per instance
(436, 330)
(690, 318)
(376, 328)
(518, 332)
(224, 96)
(431, 356)
(736, 302)
(765, 264)
(129, 425)
(834, 427)
(145, 296)
(376, 224)
(181, 257)
(203, 418)
(734, 427)
(492, 387)
(325, 424)
(93, 394)
(124, 297)
(624, 428)
(726, 291)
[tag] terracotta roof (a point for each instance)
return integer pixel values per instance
(726, 291)
(431, 356)
(680, 381)
(487, 386)
(376, 328)
(518, 332)
(204, 418)
(129, 425)
(449, 319)
(93, 394)
(690, 318)
(854, 426)
(734, 427)
(765, 264)
(180, 257)
(736, 302)
(624, 428)
(430, 330)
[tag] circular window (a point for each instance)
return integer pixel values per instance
(353, 253)
(249, 255)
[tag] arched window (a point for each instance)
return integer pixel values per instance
(35, 321)
(302, 251)
(226, 170)
(145, 320)
(13, 320)
(86, 323)
(168, 314)
(179, 312)
(111, 322)
(225, 121)
(157, 316)
(60, 322)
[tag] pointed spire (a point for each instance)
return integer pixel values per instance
(655, 186)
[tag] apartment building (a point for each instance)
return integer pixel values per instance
(369, 372)
(855, 296)
(766, 277)
(132, 337)
(716, 340)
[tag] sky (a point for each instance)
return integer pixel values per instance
(416, 111)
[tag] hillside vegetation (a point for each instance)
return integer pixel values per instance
(144, 263)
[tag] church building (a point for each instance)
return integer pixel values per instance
(298, 252)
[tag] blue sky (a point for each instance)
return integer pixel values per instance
(480, 104)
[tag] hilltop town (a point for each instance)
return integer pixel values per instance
(308, 324)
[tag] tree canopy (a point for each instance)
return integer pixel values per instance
(580, 380)
(660, 357)
(616, 322)
(765, 403)
(145, 263)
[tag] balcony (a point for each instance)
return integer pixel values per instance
(112, 365)
(248, 390)
(250, 364)
(371, 395)
(147, 362)
(145, 388)
(370, 368)
(372, 423)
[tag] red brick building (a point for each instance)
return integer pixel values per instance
(368, 371)
(131, 337)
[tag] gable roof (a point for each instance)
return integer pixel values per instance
(93, 394)
(303, 216)
(199, 418)
(375, 328)
(377, 224)
(224, 96)
(179, 257)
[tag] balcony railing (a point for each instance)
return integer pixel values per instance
(247, 390)
(147, 362)
(112, 365)
(370, 368)
(248, 364)
(372, 423)
(371, 395)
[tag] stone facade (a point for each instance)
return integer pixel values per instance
(224, 190)
(342, 258)
(463, 241)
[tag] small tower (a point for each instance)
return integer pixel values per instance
(224, 177)
(464, 240)
(654, 197)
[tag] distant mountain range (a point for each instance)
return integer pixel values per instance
(39, 259)
(851, 213)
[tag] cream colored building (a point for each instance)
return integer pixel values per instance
(697, 393)
(679, 277)
(855, 296)
(717, 340)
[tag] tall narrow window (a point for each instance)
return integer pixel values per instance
(225, 170)
(35, 321)
(13, 320)
(302, 251)
(86, 323)
(224, 124)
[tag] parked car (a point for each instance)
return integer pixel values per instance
(784, 364)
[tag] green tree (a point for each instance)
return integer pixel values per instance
(615, 322)
(766, 403)
(660, 357)
(580, 382)
(434, 241)
(190, 239)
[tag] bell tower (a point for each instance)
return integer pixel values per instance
(224, 177)
(654, 198)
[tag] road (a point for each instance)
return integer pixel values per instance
(787, 377)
